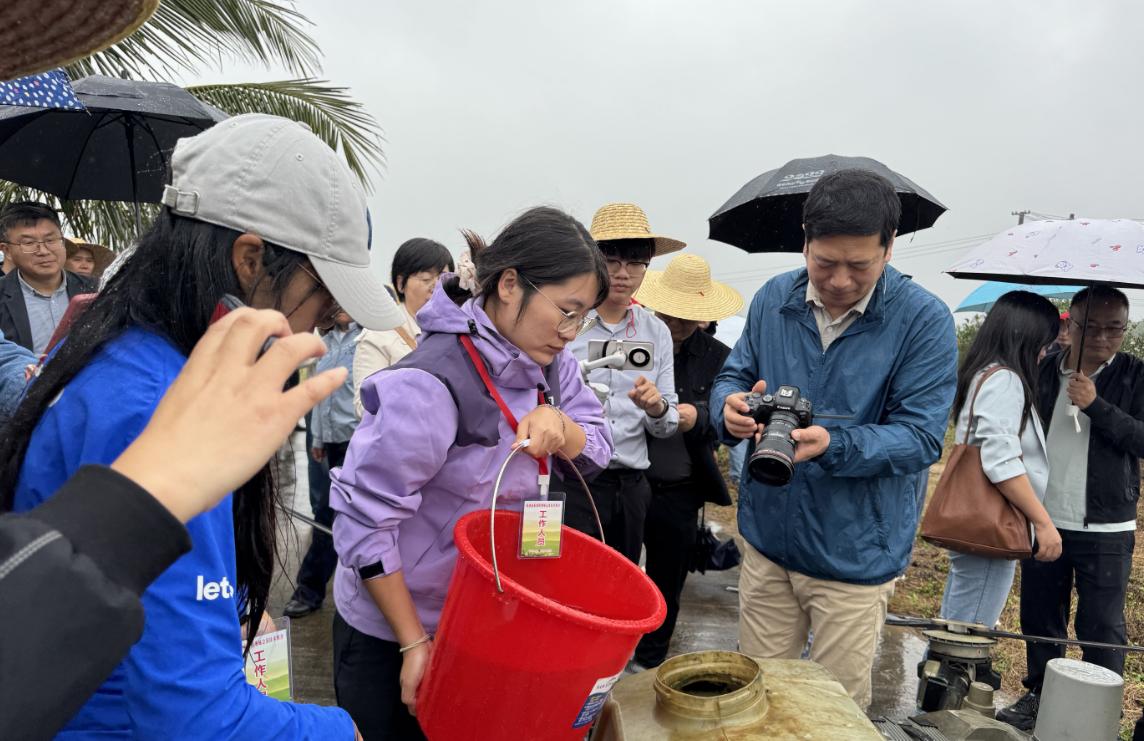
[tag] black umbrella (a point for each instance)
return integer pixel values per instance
(766, 214)
(116, 150)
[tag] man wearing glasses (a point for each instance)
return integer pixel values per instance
(640, 402)
(1095, 433)
(34, 296)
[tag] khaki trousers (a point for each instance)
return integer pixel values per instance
(778, 607)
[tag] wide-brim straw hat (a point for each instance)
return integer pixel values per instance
(628, 221)
(685, 291)
(39, 35)
(103, 256)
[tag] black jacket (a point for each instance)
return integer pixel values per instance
(1116, 443)
(698, 361)
(14, 312)
(71, 573)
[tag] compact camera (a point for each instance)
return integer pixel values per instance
(782, 412)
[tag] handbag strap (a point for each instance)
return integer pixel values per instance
(969, 425)
(403, 333)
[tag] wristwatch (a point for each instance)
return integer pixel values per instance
(666, 406)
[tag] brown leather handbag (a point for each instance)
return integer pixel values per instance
(967, 512)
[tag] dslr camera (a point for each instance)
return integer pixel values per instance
(783, 412)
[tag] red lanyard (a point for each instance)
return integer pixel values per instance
(483, 372)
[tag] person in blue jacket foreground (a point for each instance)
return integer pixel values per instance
(263, 210)
(876, 355)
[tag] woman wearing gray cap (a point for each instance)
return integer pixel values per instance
(260, 209)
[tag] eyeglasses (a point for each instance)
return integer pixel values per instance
(635, 267)
(326, 320)
(31, 246)
(1093, 330)
(571, 320)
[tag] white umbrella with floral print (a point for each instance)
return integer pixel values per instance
(1074, 252)
(1084, 252)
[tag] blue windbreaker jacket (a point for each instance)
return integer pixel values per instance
(849, 515)
(184, 678)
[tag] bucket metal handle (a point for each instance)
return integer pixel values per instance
(516, 448)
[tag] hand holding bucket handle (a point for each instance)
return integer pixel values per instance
(496, 492)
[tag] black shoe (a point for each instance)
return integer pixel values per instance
(296, 608)
(1022, 714)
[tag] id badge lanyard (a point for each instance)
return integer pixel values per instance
(541, 519)
(544, 480)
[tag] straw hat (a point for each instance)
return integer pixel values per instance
(103, 256)
(39, 35)
(628, 221)
(685, 291)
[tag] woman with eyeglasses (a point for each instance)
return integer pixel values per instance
(248, 233)
(435, 431)
(995, 408)
(416, 269)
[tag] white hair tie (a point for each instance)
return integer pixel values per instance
(467, 274)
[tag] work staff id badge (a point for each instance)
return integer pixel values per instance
(540, 523)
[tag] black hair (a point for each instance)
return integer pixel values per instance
(1017, 328)
(416, 255)
(25, 213)
(170, 285)
(544, 245)
(852, 203)
(1100, 294)
(640, 248)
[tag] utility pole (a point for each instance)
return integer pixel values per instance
(1020, 216)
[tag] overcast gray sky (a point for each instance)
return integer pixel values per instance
(491, 107)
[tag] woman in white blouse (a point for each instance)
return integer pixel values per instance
(416, 268)
(1005, 425)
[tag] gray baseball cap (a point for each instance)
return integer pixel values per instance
(274, 178)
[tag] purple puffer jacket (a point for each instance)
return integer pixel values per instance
(414, 466)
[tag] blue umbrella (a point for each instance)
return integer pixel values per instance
(985, 295)
(45, 90)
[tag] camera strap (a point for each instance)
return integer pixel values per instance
(483, 372)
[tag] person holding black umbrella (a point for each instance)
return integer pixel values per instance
(34, 296)
(876, 355)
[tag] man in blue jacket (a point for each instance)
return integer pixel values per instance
(876, 355)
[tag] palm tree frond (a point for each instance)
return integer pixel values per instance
(110, 223)
(183, 34)
(328, 110)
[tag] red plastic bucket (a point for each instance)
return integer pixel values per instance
(538, 660)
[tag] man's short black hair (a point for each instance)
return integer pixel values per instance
(852, 203)
(1101, 294)
(25, 213)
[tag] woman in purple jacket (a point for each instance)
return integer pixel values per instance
(432, 439)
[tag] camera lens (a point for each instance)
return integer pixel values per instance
(768, 468)
(639, 357)
(772, 463)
